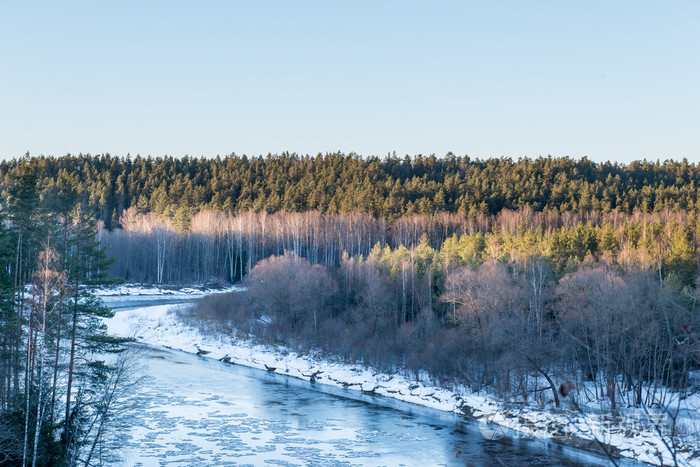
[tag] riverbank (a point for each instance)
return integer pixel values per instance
(160, 325)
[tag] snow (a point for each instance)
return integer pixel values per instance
(134, 291)
(159, 325)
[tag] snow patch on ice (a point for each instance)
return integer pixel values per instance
(144, 290)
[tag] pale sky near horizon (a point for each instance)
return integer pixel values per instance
(608, 80)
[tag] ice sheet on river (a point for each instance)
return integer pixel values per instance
(200, 412)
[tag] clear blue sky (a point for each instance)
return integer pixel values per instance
(609, 80)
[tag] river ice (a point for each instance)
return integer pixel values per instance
(200, 412)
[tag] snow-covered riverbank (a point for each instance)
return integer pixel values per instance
(159, 325)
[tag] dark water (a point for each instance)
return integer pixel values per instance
(197, 411)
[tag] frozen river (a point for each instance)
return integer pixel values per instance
(195, 411)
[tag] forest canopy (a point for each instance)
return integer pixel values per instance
(388, 188)
(170, 220)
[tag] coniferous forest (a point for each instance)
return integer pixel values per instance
(494, 273)
(60, 373)
(387, 188)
